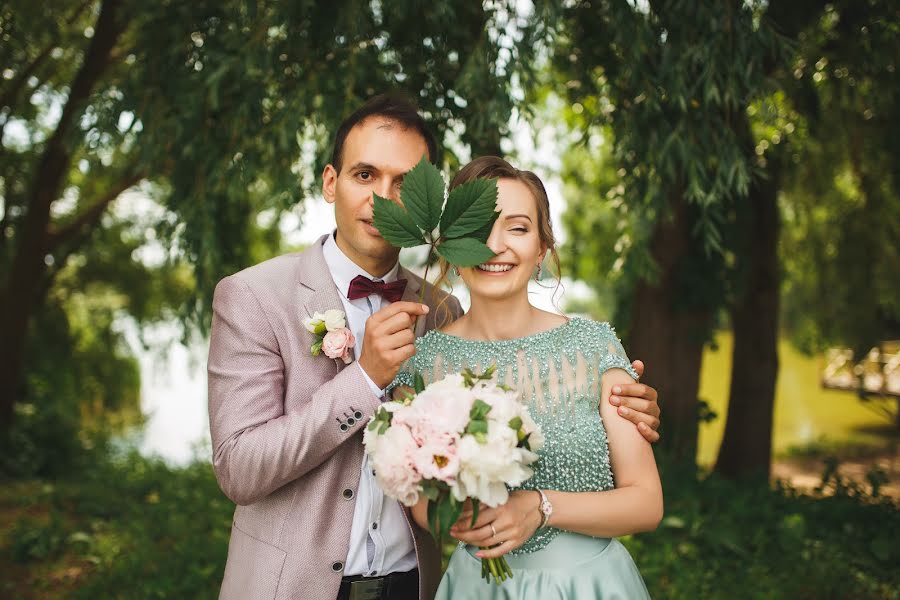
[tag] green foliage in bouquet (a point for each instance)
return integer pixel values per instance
(456, 230)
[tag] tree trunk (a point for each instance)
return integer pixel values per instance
(746, 449)
(22, 290)
(669, 336)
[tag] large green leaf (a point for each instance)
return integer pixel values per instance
(423, 194)
(395, 224)
(465, 252)
(484, 232)
(469, 207)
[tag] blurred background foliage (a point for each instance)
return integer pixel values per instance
(729, 169)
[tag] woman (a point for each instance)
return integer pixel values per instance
(596, 478)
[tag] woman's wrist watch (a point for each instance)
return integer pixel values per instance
(546, 508)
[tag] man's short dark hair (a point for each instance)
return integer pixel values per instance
(391, 107)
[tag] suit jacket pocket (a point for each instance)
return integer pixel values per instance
(253, 568)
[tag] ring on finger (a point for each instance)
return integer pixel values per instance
(493, 531)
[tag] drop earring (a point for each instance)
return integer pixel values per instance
(537, 275)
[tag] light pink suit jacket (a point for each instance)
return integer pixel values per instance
(275, 413)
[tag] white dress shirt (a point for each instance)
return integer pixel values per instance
(380, 541)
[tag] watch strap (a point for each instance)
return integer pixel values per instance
(546, 508)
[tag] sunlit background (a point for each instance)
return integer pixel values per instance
(723, 178)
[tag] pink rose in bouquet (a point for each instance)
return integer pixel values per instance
(464, 437)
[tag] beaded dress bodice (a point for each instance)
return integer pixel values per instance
(558, 373)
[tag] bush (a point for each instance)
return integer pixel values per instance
(720, 539)
(139, 528)
(136, 527)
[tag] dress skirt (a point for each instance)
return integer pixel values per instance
(570, 567)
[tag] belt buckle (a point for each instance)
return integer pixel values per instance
(366, 589)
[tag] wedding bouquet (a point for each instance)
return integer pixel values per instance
(463, 437)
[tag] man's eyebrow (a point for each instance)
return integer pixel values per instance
(363, 166)
(508, 217)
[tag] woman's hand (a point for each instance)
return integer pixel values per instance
(501, 529)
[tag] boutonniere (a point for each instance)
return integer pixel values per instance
(334, 338)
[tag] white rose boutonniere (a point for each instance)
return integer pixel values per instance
(334, 338)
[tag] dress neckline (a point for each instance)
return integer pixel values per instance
(511, 341)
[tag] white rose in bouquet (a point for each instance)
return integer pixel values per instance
(461, 438)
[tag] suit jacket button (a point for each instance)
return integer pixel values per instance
(347, 494)
(337, 567)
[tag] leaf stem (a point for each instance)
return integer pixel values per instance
(425, 280)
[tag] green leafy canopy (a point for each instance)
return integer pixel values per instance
(463, 223)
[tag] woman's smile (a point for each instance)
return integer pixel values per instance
(495, 268)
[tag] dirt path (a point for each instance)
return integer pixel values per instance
(806, 473)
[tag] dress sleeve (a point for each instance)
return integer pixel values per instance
(404, 377)
(612, 355)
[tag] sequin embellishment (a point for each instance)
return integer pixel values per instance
(558, 372)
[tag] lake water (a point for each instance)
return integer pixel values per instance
(804, 411)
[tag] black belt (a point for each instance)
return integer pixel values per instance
(395, 586)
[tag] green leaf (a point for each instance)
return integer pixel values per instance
(448, 513)
(464, 252)
(483, 233)
(515, 423)
(433, 520)
(476, 506)
(316, 348)
(419, 382)
(395, 224)
(431, 492)
(476, 427)
(479, 410)
(382, 421)
(524, 442)
(422, 194)
(469, 207)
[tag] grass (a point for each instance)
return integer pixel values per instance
(135, 528)
(130, 528)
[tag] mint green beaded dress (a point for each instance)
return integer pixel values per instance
(558, 372)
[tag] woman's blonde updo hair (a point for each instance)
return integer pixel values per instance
(494, 167)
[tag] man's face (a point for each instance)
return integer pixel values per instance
(377, 153)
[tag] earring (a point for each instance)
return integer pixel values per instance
(456, 271)
(537, 276)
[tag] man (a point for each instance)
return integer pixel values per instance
(287, 426)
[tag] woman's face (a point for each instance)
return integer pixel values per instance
(516, 241)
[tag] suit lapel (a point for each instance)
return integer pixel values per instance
(321, 293)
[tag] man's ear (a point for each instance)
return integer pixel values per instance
(329, 182)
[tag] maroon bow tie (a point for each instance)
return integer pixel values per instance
(362, 287)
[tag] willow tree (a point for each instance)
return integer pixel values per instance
(668, 82)
(842, 193)
(222, 109)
